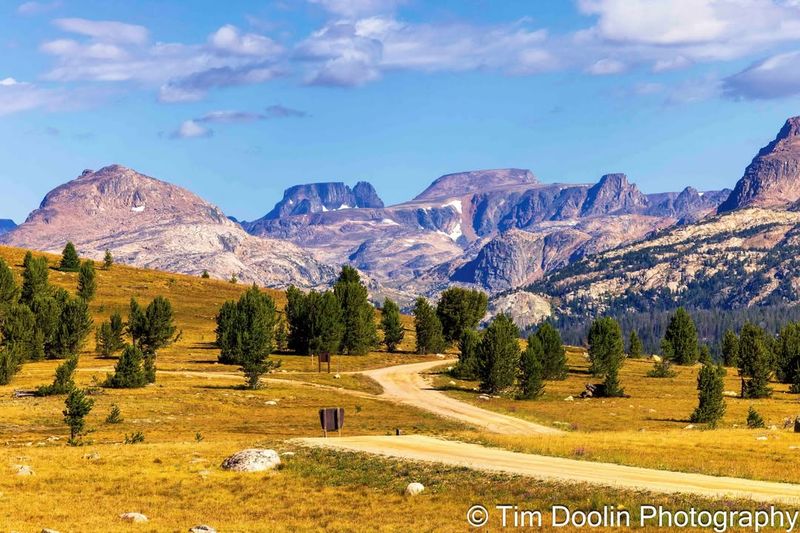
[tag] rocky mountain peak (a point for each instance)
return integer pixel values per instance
(773, 177)
(462, 183)
(611, 194)
(6, 225)
(321, 197)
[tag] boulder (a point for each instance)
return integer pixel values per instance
(133, 518)
(569, 399)
(413, 489)
(730, 394)
(202, 529)
(23, 470)
(47, 530)
(271, 402)
(252, 460)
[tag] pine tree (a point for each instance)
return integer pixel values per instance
(606, 354)
(360, 332)
(34, 278)
(430, 338)
(710, 385)
(682, 335)
(74, 328)
(129, 370)
(9, 292)
(325, 322)
(296, 314)
(257, 323)
(9, 365)
(77, 406)
(788, 352)
(531, 372)
(108, 260)
(205, 275)
(64, 380)
(635, 347)
(17, 333)
(554, 357)
(754, 420)
(87, 281)
(157, 332)
(391, 325)
(115, 415)
(227, 340)
(755, 362)
(281, 335)
(47, 311)
(136, 321)
(704, 354)
(459, 310)
(498, 355)
(467, 367)
(730, 348)
(103, 340)
(70, 262)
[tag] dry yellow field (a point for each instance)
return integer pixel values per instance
(196, 415)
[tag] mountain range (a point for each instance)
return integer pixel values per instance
(537, 247)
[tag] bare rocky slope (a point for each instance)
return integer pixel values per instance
(149, 223)
(6, 225)
(746, 255)
(493, 229)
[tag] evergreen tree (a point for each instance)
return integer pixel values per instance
(157, 332)
(87, 281)
(109, 336)
(467, 367)
(129, 370)
(635, 348)
(227, 327)
(498, 354)
(360, 333)
(9, 292)
(108, 260)
(704, 354)
(205, 275)
(788, 352)
(9, 365)
(136, 321)
(554, 357)
(70, 262)
(755, 362)
(281, 335)
(34, 278)
(64, 380)
(754, 420)
(730, 348)
(430, 338)
(325, 322)
(17, 332)
(459, 310)
(710, 385)
(77, 406)
(257, 323)
(606, 353)
(531, 372)
(296, 314)
(73, 329)
(682, 335)
(47, 311)
(391, 325)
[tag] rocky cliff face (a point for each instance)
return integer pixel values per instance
(773, 177)
(613, 194)
(462, 183)
(6, 225)
(149, 223)
(323, 197)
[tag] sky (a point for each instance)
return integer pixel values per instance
(238, 100)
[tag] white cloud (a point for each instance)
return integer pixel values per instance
(18, 96)
(229, 39)
(8, 82)
(671, 63)
(37, 8)
(356, 8)
(230, 117)
(190, 129)
(107, 31)
(605, 66)
(775, 77)
(353, 53)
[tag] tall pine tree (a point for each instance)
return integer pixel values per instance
(607, 353)
(360, 332)
(70, 262)
(710, 386)
(682, 337)
(430, 338)
(531, 372)
(460, 309)
(391, 325)
(498, 355)
(554, 357)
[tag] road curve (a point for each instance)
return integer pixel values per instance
(405, 384)
(430, 449)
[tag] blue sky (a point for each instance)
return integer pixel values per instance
(238, 100)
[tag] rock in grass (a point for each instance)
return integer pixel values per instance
(253, 460)
(134, 518)
(202, 529)
(24, 470)
(46, 530)
(413, 489)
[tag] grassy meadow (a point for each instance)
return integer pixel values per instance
(196, 415)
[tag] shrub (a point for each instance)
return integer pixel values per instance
(115, 415)
(662, 369)
(64, 380)
(754, 420)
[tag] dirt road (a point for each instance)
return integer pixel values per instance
(404, 384)
(429, 449)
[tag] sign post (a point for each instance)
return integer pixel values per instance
(331, 419)
(324, 357)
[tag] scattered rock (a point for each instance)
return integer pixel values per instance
(23, 393)
(288, 454)
(271, 402)
(337, 376)
(730, 394)
(253, 460)
(773, 427)
(53, 438)
(414, 489)
(47, 530)
(204, 473)
(655, 358)
(452, 383)
(569, 399)
(94, 456)
(690, 426)
(202, 529)
(484, 397)
(23, 470)
(134, 518)
(762, 437)
(440, 355)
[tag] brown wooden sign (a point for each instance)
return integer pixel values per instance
(331, 419)
(324, 357)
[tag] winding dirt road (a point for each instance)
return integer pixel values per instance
(430, 449)
(405, 384)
